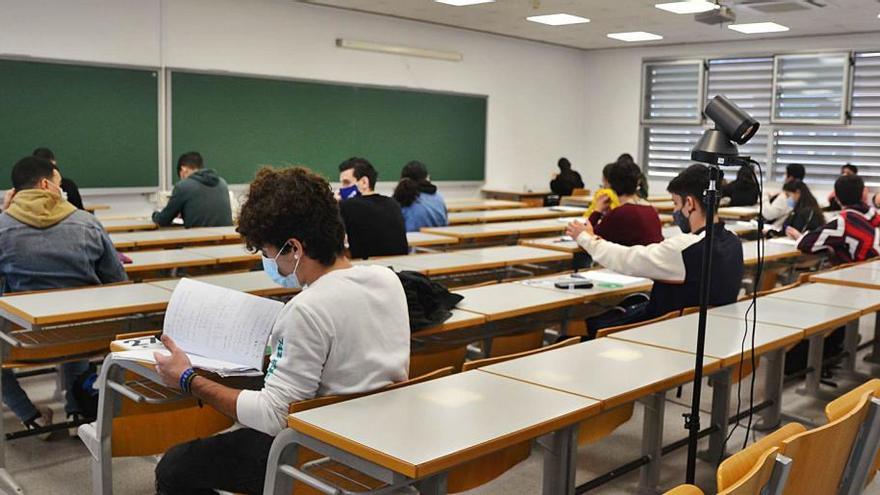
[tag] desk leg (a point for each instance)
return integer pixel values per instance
(652, 441)
(773, 380)
(851, 345)
(814, 360)
(434, 485)
(559, 461)
(720, 411)
(874, 357)
(102, 451)
(284, 451)
(7, 482)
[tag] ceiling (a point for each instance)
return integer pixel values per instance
(507, 17)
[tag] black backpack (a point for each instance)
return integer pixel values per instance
(429, 303)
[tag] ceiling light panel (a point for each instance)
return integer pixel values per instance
(558, 19)
(634, 36)
(687, 7)
(758, 27)
(463, 3)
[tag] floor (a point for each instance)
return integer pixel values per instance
(61, 465)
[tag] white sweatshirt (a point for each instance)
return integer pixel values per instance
(346, 333)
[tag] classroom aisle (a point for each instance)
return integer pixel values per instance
(61, 465)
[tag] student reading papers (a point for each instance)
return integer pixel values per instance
(346, 332)
(675, 263)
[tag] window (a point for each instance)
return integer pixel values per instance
(668, 149)
(822, 151)
(673, 92)
(810, 89)
(866, 89)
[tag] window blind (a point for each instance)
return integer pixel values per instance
(810, 89)
(866, 89)
(673, 92)
(823, 151)
(748, 82)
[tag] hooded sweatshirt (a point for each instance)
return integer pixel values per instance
(46, 243)
(202, 199)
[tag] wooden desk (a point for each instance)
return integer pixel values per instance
(173, 237)
(499, 230)
(561, 243)
(582, 201)
(460, 418)
(128, 225)
(421, 239)
(476, 204)
(470, 260)
(854, 276)
(471, 217)
(254, 282)
(513, 299)
(94, 208)
(664, 206)
(773, 251)
(165, 259)
(529, 197)
(665, 218)
(460, 319)
(738, 212)
(225, 253)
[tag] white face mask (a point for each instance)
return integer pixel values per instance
(270, 266)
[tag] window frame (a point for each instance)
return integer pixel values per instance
(845, 97)
(700, 98)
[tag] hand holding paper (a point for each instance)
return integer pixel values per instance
(171, 366)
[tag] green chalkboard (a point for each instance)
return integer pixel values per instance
(242, 123)
(102, 123)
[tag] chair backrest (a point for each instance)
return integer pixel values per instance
(685, 490)
(738, 466)
(580, 191)
(604, 332)
(773, 290)
(520, 342)
(435, 358)
(843, 404)
(758, 477)
(479, 363)
(821, 454)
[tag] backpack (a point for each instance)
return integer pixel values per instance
(428, 302)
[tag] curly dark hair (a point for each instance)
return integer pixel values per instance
(292, 203)
(623, 177)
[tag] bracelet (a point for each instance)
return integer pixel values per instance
(186, 379)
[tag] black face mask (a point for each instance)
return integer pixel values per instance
(682, 222)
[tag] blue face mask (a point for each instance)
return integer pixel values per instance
(791, 203)
(349, 192)
(681, 221)
(270, 266)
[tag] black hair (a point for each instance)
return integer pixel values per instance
(44, 153)
(564, 164)
(29, 171)
(192, 159)
(795, 170)
(848, 189)
(692, 181)
(607, 170)
(413, 181)
(852, 168)
(625, 158)
(292, 203)
(745, 177)
(360, 167)
(807, 200)
(623, 177)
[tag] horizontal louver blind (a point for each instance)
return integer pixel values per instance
(866, 89)
(811, 88)
(673, 92)
(668, 149)
(823, 151)
(748, 82)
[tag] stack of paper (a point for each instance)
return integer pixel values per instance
(610, 277)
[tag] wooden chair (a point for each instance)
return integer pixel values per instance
(841, 405)
(685, 490)
(774, 290)
(580, 191)
(737, 467)
(514, 344)
(619, 328)
(433, 358)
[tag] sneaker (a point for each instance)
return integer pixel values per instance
(43, 418)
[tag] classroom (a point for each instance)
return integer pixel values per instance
(485, 247)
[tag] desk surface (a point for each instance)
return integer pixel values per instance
(525, 193)
(173, 236)
(865, 300)
(773, 251)
(164, 259)
(476, 204)
(459, 319)
(429, 427)
(663, 206)
(743, 212)
(421, 239)
(810, 318)
(498, 229)
(224, 253)
(599, 289)
(513, 299)
(583, 201)
(724, 337)
(561, 243)
(854, 276)
(255, 282)
(128, 224)
(43, 308)
(513, 214)
(604, 369)
(467, 260)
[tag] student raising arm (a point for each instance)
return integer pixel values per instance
(632, 223)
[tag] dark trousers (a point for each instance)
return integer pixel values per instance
(233, 462)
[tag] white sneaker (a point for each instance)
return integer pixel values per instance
(44, 419)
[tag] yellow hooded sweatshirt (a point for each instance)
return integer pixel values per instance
(39, 208)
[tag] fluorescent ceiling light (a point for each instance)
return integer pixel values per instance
(635, 36)
(462, 3)
(370, 46)
(558, 19)
(687, 7)
(758, 27)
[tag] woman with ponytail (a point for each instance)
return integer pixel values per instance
(419, 200)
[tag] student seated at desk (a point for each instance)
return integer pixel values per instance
(744, 190)
(675, 264)
(373, 222)
(201, 197)
(852, 236)
(845, 169)
(346, 333)
(71, 191)
(642, 190)
(567, 180)
(634, 222)
(805, 215)
(776, 206)
(46, 243)
(421, 204)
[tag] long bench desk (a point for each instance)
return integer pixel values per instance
(424, 240)
(738, 212)
(476, 204)
(127, 224)
(529, 197)
(461, 218)
(498, 232)
(166, 238)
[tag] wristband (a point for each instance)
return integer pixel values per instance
(186, 379)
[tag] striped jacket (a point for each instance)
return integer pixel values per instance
(853, 236)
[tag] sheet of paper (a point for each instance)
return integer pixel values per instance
(788, 241)
(610, 277)
(550, 283)
(579, 209)
(219, 323)
(222, 368)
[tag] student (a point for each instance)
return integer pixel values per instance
(852, 236)
(421, 204)
(744, 190)
(374, 223)
(347, 332)
(201, 197)
(805, 212)
(632, 223)
(46, 243)
(71, 191)
(643, 181)
(567, 180)
(846, 169)
(776, 208)
(675, 264)
(605, 192)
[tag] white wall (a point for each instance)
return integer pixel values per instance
(536, 91)
(614, 82)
